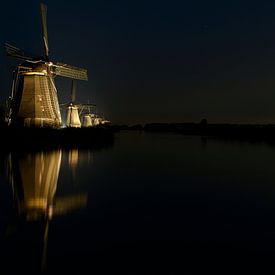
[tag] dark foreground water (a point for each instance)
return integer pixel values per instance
(148, 204)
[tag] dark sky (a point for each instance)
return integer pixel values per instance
(154, 60)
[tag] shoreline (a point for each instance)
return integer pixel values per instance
(48, 139)
(103, 137)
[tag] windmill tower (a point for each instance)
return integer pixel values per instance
(34, 101)
(87, 121)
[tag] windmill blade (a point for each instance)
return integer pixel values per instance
(69, 71)
(17, 53)
(73, 90)
(61, 105)
(43, 11)
(87, 105)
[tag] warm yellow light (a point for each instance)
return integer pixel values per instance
(33, 73)
(36, 203)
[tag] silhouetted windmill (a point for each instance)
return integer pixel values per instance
(34, 101)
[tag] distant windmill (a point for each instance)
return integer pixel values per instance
(88, 117)
(73, 119)
(75, 110)
(34, 101)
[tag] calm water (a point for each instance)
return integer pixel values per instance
(147, 201)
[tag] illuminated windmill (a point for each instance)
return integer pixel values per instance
(34, 101)
(75, 110)
(73, 120)
(88, 117)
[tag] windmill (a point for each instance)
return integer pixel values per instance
(34, 101)
(75, 110)
(88, 117)
(87, 120)
(73, 120)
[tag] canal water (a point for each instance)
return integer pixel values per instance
(149, 202)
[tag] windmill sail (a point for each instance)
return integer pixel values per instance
(66, 70)
(73, 91)
(43, 10)
(18, 53)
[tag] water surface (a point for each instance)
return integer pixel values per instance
(142, 205)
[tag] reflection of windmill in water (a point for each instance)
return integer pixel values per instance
(34, 99)
(75, 156)
(34, 180)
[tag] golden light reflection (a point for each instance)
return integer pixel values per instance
(73, 158)
(39, 175)
(73, 162)
(34, 178)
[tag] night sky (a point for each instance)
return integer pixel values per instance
(154, 60)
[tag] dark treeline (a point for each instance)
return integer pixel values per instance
(252, 132)
(240, 131)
